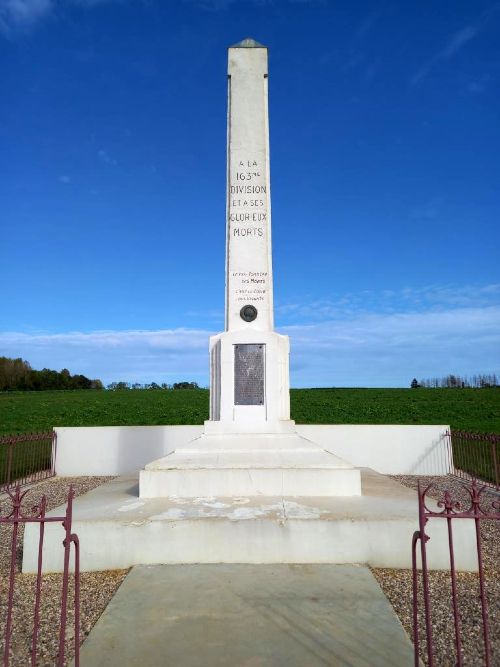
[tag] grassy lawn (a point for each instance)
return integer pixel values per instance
(477, 409)
(466, 409)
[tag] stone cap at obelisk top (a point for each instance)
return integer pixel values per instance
(248, 43)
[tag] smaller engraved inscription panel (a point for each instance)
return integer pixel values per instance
(249, 374)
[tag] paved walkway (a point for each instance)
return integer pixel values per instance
(248, 616)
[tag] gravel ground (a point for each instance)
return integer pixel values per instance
(96, 588)
(397, 586)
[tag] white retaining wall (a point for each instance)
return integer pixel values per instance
(118, 450)
(390, 450)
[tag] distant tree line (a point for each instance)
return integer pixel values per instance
(458, 382)
(17, 375)
(120, 386)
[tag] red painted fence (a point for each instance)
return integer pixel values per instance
(475, 455)
(12, 513)
(27, 458)
(451, 511)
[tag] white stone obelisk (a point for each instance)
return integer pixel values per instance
(249, 446)
(248, 246)
(249, 387)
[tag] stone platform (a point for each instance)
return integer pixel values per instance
(258, 464)
(117, 529)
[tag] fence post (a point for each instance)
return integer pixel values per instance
(416, 639)
(493, 441)
(16, 505)
(36, 618)
(9, 463)
(476, 500)
(69, 538)
(451, 466)
(449, 505)
(54, 451)
(422, 520)
(76, 542)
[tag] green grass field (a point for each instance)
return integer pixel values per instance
(477, 409)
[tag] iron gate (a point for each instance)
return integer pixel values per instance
(451, 510)
(15, 515)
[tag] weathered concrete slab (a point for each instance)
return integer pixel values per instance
(248, 616)
(375, 528)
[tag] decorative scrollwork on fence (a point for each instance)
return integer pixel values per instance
(476, 505)
(17, 513)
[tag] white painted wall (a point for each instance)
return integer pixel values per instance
(391, 450)
(118, 450)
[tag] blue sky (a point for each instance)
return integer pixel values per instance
(384, 171)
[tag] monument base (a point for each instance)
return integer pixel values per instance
(117, 529)
(233, 465)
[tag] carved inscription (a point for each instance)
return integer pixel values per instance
(248, 219)
(244, 206)
(249, 374)
(252, 285)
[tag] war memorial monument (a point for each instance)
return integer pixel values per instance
(249, 445)
(250, 486)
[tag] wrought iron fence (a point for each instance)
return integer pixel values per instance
(451, 510)
(15, 515)
(475, 455)
(26, 458)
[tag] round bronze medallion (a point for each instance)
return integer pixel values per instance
(248, 313)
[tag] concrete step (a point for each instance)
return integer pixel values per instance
(248, 616)
(249, 465)
(117, 529)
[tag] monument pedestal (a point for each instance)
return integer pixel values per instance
(249, 382)
(258, 464)
(249, 447)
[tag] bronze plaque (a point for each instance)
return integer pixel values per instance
(249, 374)
(248, 313)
